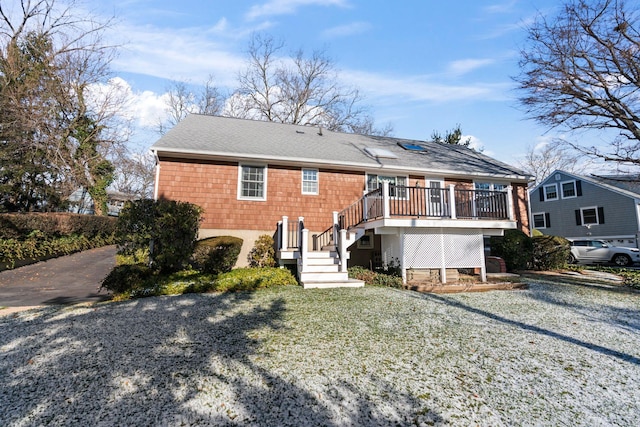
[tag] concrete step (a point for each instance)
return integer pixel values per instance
(322, 268)
(323, 277)
(349, 283)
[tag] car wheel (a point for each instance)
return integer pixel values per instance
(571, 259)
(621, 260)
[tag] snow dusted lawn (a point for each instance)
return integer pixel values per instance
(550, 355)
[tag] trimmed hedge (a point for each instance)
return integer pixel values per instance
(31, 237)
(136, 281)
(216, 255)
(55, 224)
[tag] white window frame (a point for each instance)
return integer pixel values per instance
(544, 220)
(546, 197)
(316, 181)
(264, 183)
(492, 186)
(405, 177)
(595, 208)
(575, 189)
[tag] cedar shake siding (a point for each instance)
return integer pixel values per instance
(214, 187)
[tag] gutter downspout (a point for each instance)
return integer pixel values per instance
(157, 179)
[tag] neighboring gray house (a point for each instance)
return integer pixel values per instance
(598, 207)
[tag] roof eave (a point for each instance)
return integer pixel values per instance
(295, 161)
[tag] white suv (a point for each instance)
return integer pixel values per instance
(594, 251)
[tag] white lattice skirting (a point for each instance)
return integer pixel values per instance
(443, 249)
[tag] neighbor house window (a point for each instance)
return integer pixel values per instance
(252, 182)
(309, 181)
(589, 216)
(375, 181)
(541, 220)
(550, 192)
(569, 189)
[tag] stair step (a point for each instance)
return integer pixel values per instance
(349, 283)
(322, 268)
(335, 276)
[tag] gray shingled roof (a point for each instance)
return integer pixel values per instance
(241, 140)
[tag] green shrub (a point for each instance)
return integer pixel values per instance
(217, 255)
(263, 253)
(550, 252)
(515, 247)
(127, 278)
(249, 279)
(371, 278)
(167, 227)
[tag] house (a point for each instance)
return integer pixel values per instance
(603, 207)
(81, 202)
(595, 207)
(333, 200)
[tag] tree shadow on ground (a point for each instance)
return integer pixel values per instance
(536, 329)
(190, 360)
(562, 293)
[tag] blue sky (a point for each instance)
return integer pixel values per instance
(421, 65)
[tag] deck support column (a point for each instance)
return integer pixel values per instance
(285, 233)
(510, 207)
(452, 201)
(386, 206)
(304, 241)
(343, 251)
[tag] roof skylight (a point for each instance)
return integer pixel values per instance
(380, 153)
(411, 147)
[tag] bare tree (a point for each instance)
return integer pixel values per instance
(541, 160)
(297, 90)
(56, 103)
(580, 70)
(135, 173)
(182, 100)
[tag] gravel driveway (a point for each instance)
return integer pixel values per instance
(554, 354)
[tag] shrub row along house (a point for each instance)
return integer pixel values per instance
(334, 199)
(588, 207)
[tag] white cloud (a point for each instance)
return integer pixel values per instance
(288, 7)
(501, 7)
(465, 66)
(188, 54)
(421, 88)
(476, 144)
(346, 30)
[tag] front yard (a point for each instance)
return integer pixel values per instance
(554, 354)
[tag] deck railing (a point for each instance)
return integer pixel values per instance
(391, 201)
(427, 202)
(289, 233)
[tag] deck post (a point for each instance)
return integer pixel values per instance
(510, 207)
(335, 228)
(279, 235)
(303, 249)
(386, 210)
(285, 233)
(452, 201)
(343, 251)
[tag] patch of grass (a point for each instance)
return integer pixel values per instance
(631, 277)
